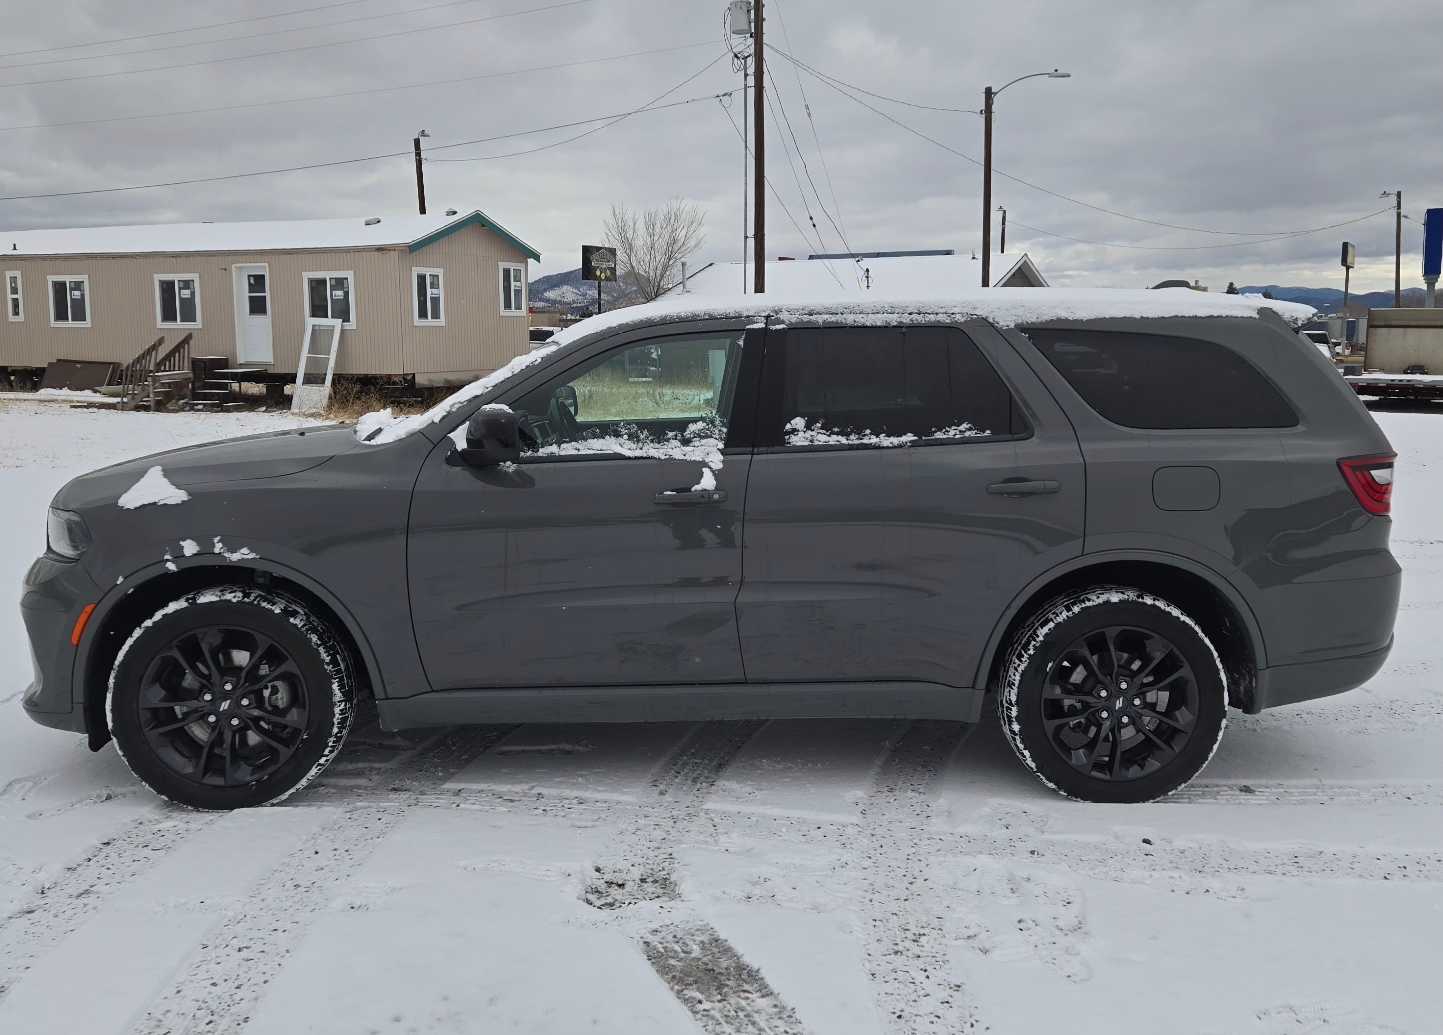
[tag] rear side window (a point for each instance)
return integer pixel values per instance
(1158, 382)
(890, 386)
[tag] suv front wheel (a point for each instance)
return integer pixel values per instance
(1113, 695)
(229, 697)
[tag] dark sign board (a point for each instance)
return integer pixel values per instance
(1350, 255)
(598, 263)
(1432, 243)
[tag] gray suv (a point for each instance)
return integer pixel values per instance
(1118, 517)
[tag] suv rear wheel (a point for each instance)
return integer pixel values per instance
(1113, 695)
(229, 697)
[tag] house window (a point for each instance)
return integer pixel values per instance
(513, 289)
(177, 300)
(331, 296)
(14, 303)
(428, 307)
(70, 301)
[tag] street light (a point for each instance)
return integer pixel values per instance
(988, 96)
(420, 176)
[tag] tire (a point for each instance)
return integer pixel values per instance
(1163, 712)
(280, 698)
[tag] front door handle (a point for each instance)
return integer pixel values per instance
(1018, 487)
(689, 497)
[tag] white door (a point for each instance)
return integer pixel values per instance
(253, 314)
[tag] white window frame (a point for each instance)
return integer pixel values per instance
(520, 267)
(417, 317)
(18, 295)
(68, 279)
(306, 279)
(194, 278)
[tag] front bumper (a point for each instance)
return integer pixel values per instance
(1290, 684)
(55, 592)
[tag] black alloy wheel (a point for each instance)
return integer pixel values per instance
(223, 706)
(1120, 703)
(230, 697)
(1113, 694)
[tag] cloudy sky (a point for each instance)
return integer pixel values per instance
(1269, 116)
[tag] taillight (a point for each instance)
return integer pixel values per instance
(1371, 479)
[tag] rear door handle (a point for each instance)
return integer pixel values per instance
(1023, 487)
(689, 497)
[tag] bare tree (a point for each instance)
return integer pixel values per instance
(651, 245)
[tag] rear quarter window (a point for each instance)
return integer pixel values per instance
(1164, 382)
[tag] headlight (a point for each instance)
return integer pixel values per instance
(66, 534)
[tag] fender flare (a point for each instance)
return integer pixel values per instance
(1209, 575)
(81, 674)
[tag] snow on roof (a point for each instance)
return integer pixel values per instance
(259, 236)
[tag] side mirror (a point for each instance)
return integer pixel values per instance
(493, 437)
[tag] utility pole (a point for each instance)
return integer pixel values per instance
(1002, 243)
(759, 175)
(987, 96)
(420, 173)
(1398, 256)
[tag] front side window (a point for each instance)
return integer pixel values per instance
(662, 398)
(513, 289)
(429, 289)
(890, 386)
(330, 296)
(70, 301)
(14, 302)
(177, 300)
(1159, 382)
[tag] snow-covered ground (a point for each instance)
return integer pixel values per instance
(830, 877)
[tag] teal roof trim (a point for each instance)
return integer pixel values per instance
(485, 222)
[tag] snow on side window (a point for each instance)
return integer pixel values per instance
(800, 433)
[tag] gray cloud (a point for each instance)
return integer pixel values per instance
(1227, 114)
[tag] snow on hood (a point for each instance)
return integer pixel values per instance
(153, 488)
(1003, 307)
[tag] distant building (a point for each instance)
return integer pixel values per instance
(922, 274)
(440, 298)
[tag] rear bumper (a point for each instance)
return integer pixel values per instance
(1290, 684)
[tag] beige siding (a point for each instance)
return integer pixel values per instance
(476, 338)
(385, 340)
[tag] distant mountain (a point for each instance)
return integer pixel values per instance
(568, 291)
(1329, 300)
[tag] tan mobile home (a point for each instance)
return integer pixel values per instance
(439, 298)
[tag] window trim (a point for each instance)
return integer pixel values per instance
(770, 415)
(194, 278)
(310, 275)
(416, 318)
(17, 296)
(501, 269)
(68, 279)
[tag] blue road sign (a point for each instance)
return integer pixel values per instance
(1433, 243)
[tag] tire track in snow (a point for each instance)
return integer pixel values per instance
(60, 907)
(218, 988)
(904, 923)
(722, 991)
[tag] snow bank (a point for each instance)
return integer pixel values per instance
(153, 488)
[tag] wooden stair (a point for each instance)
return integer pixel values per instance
(155, 379)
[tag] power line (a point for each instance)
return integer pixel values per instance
(560, 4)
(177, 32)
(798, 62)
(651, 105)
(354, 93)
(190, 44)
(352, 161)
(1198, 247)
(1271, 234)
(778, 198)
(797, 145)
(816, 137)
(787, 152)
